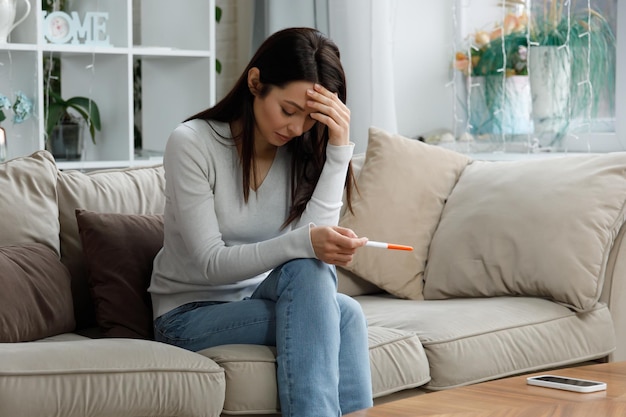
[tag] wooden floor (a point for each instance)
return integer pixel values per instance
(512, 397)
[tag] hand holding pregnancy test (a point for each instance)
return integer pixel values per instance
(384, 245)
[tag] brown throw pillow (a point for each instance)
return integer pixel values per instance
(119, 250)
(36, 298)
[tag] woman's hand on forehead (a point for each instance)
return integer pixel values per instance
(331, 111)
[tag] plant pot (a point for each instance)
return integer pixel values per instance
(549, 70)
(66, 141)
(492, 112)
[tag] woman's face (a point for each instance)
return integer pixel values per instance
(282, 114)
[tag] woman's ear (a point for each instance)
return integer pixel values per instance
(254, 81)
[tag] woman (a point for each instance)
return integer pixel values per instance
(253, 193)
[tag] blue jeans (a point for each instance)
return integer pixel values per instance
(320, 337)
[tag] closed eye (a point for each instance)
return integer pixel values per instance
(286, 112)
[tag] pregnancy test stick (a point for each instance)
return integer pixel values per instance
(384, 245)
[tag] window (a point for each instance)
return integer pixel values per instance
(592, 125)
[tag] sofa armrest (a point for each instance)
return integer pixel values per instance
(67, 377)
(614, 293)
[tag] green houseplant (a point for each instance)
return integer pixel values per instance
(578, 46)
(58, 112)
(63, 123)
(64, 116)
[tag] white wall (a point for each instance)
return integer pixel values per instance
(423, 54)
(426, 39)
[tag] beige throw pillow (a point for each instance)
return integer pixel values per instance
(403, 186)
(534, 228)
(28, 199)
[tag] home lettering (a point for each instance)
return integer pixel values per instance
(60, 27)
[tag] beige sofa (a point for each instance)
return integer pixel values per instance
(517, 267)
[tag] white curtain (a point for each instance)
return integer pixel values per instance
(273, 15)
(364, 32)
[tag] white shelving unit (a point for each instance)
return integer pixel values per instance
(175, 41)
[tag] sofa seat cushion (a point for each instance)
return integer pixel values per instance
(474, 340)
(64, 337)
(397, 361)
(107, 377)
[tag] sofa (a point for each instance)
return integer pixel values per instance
(517, 266)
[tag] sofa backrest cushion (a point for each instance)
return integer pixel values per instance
(537, 228)
(402, 188)
(29, 201)
(36, 298)
(119, 250)
(129, 191)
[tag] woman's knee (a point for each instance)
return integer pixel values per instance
(311, 272)
(351, 311)
(307, 264)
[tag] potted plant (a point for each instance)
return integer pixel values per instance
(495, 65)
(572, 64)
(64, 118)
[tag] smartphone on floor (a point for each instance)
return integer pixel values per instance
(566, 383)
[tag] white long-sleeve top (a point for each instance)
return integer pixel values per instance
(216, 246)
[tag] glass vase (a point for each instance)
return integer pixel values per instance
(3, 144)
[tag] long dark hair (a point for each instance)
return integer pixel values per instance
(294, 54)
